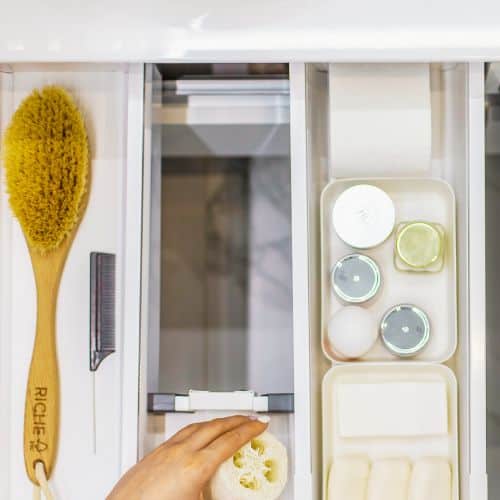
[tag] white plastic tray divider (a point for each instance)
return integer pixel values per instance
(129, 297)
(399, 372)
(318, 174)
(300, 269)
(414, 199)
(6, 273)
(478, 487)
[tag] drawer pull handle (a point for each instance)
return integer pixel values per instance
(220, 401)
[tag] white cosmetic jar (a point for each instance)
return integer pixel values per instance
(363, 216)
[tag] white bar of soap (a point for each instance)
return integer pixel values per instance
(389, 480)
(392, 409)
(348, 479)
(431, 480)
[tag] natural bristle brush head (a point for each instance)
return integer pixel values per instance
(47, 166)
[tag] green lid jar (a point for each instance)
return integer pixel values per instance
(419, 245)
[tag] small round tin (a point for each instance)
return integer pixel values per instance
(356, 278)
(405, 330)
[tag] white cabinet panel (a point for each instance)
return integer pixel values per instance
(221, 30)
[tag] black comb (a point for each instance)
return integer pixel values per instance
(102, 307)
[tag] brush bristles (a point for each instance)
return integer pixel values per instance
(46, 163)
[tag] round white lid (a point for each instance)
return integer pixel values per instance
(364, 216)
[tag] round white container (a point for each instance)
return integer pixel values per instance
(363, 216)
(405, 330)
(356, 278)
(352, 332)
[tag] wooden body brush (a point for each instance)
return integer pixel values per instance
(47, 170)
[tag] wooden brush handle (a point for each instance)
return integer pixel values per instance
(41, 417)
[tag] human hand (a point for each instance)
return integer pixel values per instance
(180, 468)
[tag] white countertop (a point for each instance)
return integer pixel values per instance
(262, 30)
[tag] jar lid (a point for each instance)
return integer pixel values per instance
(363, 216)
(405, 330)
(356, 278)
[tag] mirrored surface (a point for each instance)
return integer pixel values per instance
(493, 277)
(225, 319)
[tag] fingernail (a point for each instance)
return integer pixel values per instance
(264, 419)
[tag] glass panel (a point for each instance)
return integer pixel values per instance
(226, 292)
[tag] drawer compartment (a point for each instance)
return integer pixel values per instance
(456, 158)
(220, 309)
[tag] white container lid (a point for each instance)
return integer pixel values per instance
(363, 216)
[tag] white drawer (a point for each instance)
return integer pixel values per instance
(458, 158)
(103, 94)
(123, 218)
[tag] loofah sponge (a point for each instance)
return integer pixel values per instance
(258, 471)
(47, 164)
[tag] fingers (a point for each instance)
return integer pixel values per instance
(229, 443)
(209, 431)
(183, 434)
(200, 434)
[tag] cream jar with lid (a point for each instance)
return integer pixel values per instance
(419, 247)
(363, 216)
(356, 278)
(405, 330)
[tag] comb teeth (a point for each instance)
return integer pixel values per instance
(102, 307)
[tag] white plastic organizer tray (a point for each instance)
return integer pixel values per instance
(428, 432)
(429, 200)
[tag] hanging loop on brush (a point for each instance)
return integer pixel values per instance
(43, 483)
